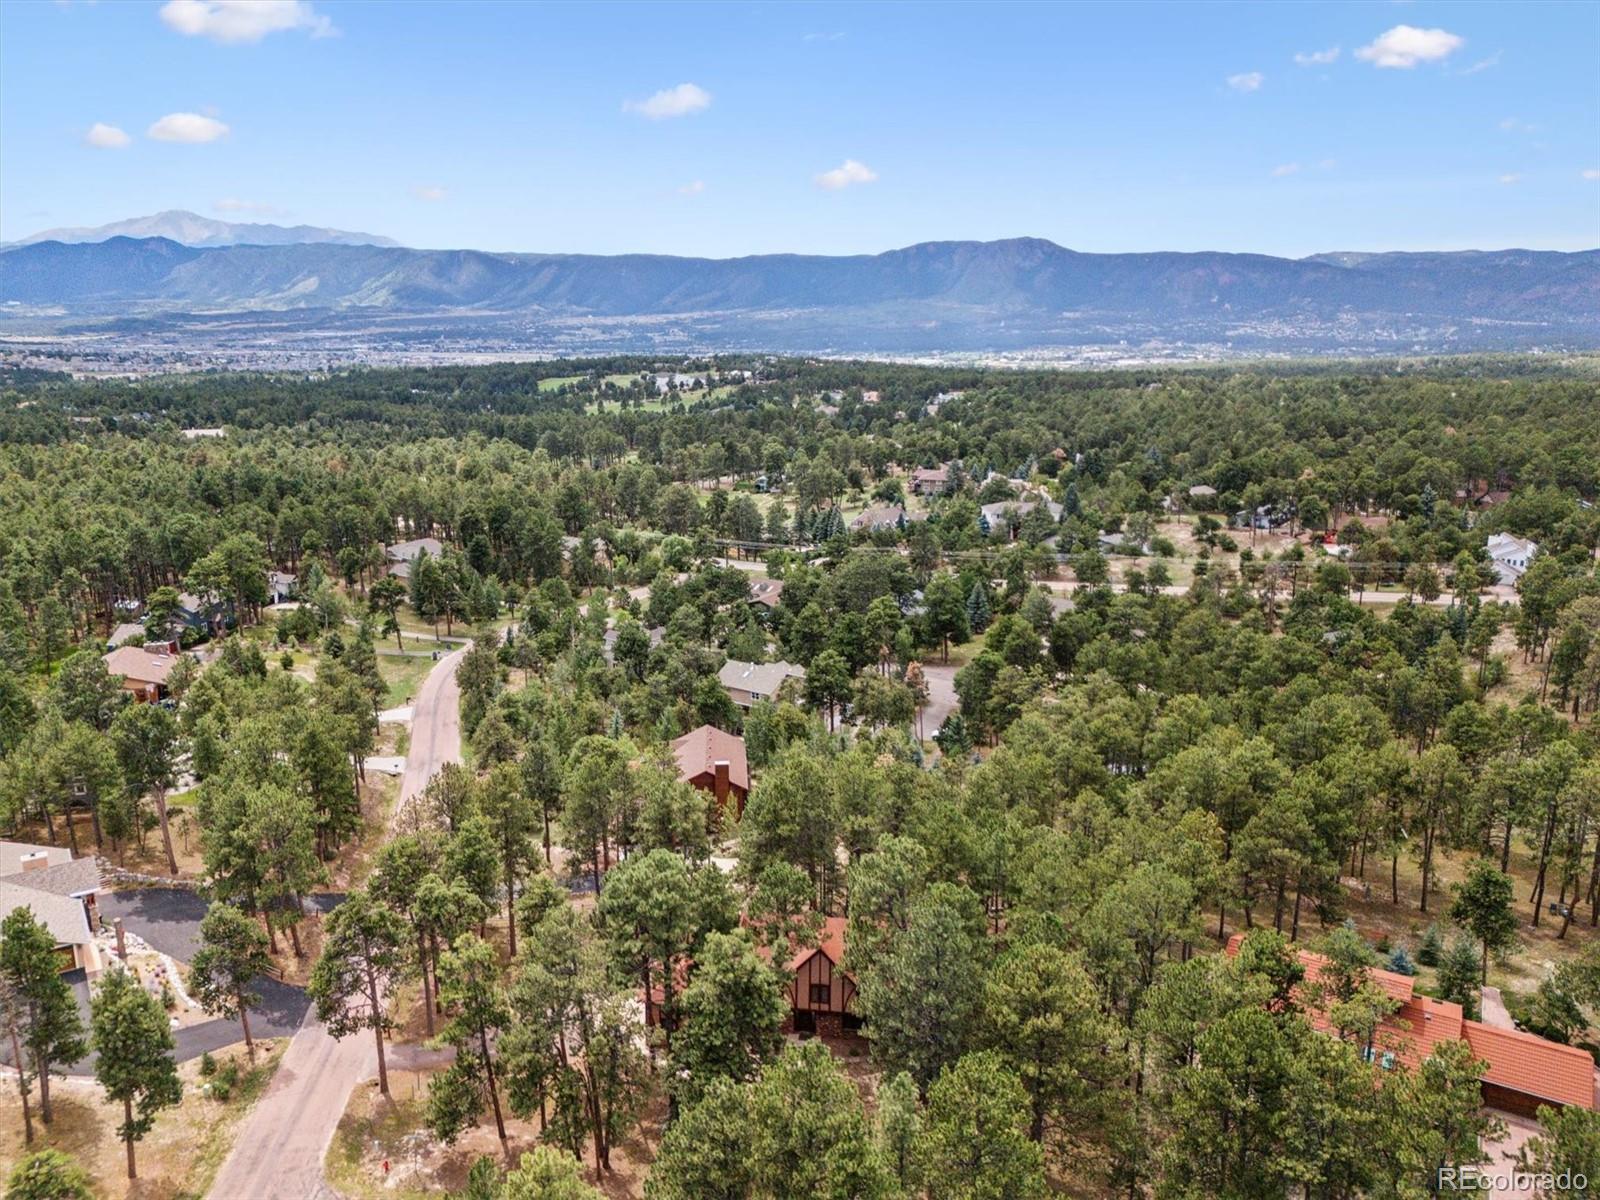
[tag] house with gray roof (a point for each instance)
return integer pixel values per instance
(60, 891)
(402, 555)
(748, 682)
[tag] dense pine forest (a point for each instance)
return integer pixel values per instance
(1147, 750)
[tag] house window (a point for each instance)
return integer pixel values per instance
(821, 993)
(79, 788)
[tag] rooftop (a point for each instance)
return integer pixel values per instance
(700, 750)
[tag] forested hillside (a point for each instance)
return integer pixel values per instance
(1101, 701)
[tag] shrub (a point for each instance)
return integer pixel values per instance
(1431, 949)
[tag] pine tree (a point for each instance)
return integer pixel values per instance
(233, 953)
(469, 989)
(41, 1017)
(133, 1044)
(1458, 976)
(361, 956)
(978, 610)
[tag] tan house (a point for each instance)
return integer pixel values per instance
(144, 669)
(60, 891)
(930, 481)
(886, 516)
(748, 682)
(714, 761)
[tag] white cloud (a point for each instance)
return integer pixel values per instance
(1483, 64)
(1248, 81)
(1317, 58)
(237, 21)
(252, 208)
(187, 127)
(431, 192)
(845, 174)
(677, 101)
(1510, 177)
(1513, 125)
(1405, 46)
(105, 137)
(1286, 169)
(1591, 174)
(693, 188)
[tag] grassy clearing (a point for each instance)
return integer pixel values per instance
(559, 381)
(177, 1159)
(403, 675)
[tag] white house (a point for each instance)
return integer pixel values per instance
(1511, 555)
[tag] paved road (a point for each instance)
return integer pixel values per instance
(278, 1151)
(942, 700)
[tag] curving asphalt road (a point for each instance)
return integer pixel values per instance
(278, 1151)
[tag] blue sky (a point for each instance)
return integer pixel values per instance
(718, 129)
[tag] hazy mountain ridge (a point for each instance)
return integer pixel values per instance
(191, 229)
(969, 293)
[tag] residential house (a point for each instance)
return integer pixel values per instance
(870, 397)
(714, 761)
(280, 586)
(1120, 543)
(1511, 555)
(930, 481)
(144, 669)
(656, 633)
(400, 556)
(748, 682)
(60, 890)
(766, 593)
(1522, 1072)
(883, 516)
(1202, 494)
(821, 993)
(125, 632)
(1008, 514)
(1266, 517)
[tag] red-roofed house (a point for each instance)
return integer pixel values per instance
(1524, 1071)
(714, 761)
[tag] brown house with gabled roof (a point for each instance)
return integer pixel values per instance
(821, 993)
(714, 761)
(144, 669)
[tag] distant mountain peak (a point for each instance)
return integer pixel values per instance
(191, 229)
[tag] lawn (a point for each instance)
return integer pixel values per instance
(558, 381)
(403, 674)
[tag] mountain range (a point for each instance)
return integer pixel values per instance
(1017, 293)
(191, 229)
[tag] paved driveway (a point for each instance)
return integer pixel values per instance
(169, 920)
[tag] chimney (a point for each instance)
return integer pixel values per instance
(35, 860)
(721, 787)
